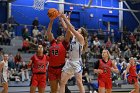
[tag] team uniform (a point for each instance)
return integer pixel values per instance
(57, 54)
(104, 79)
(4, 73)
(73, 64)
(39, 68)
(132, 77)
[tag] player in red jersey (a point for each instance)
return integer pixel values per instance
(57, 54)
(38, 64)
(132, 77)
(103, 68)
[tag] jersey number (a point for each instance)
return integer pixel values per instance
(55, 52)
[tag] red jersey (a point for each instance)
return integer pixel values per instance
(105, 66)
(132, 70)
(57, 53)
(39, 64)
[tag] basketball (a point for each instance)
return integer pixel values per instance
(53, 13)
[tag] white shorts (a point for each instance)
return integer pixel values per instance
(3, 79)
(72, 67)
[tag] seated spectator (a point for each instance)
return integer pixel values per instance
(25, 32)
(96, 42)
(127, 54)
(108, 44)
(6, 38)
(39, 36)
(43, 31)
(35, 31)
(26, 45)
(11, 63)
(18, 60)
(132, 38)
(24, 72)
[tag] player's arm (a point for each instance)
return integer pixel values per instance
(49, 29)
(126, 71)
(1, 66)
(29, 64)
(114, 67)
(68, 34)
(72, 29)
(96, 68)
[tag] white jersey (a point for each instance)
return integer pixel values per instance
(4, 71)
(75, 50)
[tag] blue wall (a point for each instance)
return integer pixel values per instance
(129, 20)
(25, 14)
(80, 16)
(99, 14)
(3, 12)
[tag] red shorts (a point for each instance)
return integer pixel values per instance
(38, 80)
(105, 82)
(54, 73)
(132, 79)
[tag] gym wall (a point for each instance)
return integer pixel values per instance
(25, 14)
(3, 12)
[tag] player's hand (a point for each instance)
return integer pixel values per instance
(52, 19)
(63, 15)
(100, 71)
(112, 69)
(125, 78)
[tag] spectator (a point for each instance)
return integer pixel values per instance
(24, 72)
(127, 54)
(39, 36)
(26, 45)
(108, 44)
(132, 38)
(35, 22)
(43, 30)
(6, 37)
(18, 60)
(25, 32)
(96, 42)
(35, 31)
(11, 63)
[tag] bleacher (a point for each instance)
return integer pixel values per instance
(16, 43)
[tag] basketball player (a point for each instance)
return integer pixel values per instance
(132, 77)
(103, 67)
(38, 63)
(74, 65)
(57, 54)
(4, 73)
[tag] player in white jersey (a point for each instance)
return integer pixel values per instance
(73, 66)
(4, 73)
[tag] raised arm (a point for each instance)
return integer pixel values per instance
(68, 33)
(49, 29)
(72, 29)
